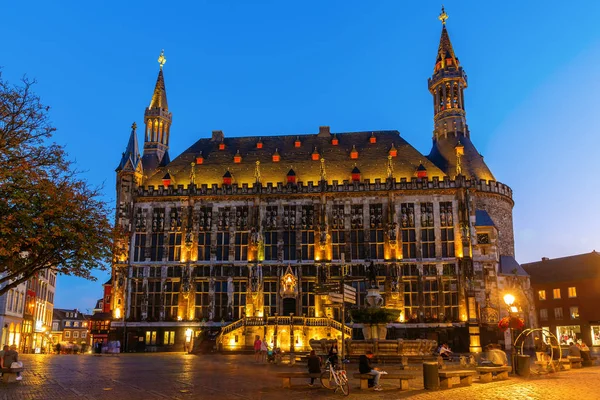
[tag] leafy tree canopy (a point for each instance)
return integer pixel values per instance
(50, 218)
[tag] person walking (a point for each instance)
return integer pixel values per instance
(314, 366)
(257, 346)
(364, 367)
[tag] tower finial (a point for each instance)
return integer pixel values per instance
(443, 16)
(133, 126)
(162, 59)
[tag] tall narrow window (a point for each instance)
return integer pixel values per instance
(357, 233)
(308, 299)
(157, 248)
(556, 293)
(558, 313)
(270, 298)
(338, 233)
(410, 277)
(289, 233)
(447, 228)
(542, 294)
(202, 309)
(222, 246)
(409, 236)
(139, 247)
(308, 233)
(376, 233)
(174, 246)
(427, 231)
(572, 292)
(204, 246)
(270, 245)
(543, 314)
(241, 246)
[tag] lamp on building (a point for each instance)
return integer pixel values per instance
(509, 300)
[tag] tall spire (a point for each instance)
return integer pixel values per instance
(447, 85)
(130, 161)
(158, 123)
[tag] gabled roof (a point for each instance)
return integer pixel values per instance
(482, 218)
(565, 269)
(372, 159)
(510, 266)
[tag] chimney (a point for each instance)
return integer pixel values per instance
(217, 136)
(545, 258)
(324, 131)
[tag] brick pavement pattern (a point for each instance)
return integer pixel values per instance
(182, 376)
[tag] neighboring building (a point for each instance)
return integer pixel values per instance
(101, 319)
(71, 328)
(12, 306)
(260, 227)
(567, 294)
(43, 285)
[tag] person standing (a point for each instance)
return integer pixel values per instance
(257, 346)
(263, 351)
(314, 365)
(333, 354)
(364, 367)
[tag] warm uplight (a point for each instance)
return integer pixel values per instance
(514, 309)
(117, 312)
(188, 335)
(509, 299)
(179, 318)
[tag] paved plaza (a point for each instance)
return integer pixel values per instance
(182, 376)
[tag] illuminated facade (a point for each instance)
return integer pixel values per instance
(238, 230)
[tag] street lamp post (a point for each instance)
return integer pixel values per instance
(509, 300)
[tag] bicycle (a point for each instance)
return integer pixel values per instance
(334, 378)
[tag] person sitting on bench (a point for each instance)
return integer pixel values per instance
(364, 367)
(496, 356)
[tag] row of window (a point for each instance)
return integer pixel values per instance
(572, 292)
(168, 338)
(558, 313)
(76, 334)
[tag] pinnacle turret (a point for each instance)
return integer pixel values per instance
(158, 123)
(130, 161)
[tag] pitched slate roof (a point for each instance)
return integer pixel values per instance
(159, 97)
(443, 155)
(482, 218)
(565, 269)
(510, 266)
(131, 157)
(372, 159)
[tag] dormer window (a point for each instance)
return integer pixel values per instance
(355, 174)
(291, 176)
(315, 155)
(259, 144)
(276, 156)
(354, 153)
(393, 151)
(222, 146)
(166, 180)
(335, 141)
(421, 171)
(237, 158)
(199, 159)
(372, 139)
(227, 178)
(297, 143)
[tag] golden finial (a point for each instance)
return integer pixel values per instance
(323, 171)
(257, 172)
(390, 167)
(162, 59)
(133, 126)
(443, 16)
(193, 173)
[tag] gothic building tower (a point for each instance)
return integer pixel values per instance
(157, 119)
(243, 234)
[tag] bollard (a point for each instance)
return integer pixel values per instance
(431, 379)
(523, 365)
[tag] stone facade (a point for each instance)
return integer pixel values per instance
(241, 232)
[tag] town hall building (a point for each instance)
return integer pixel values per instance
(252, 235)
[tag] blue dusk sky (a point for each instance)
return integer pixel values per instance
(274, 67)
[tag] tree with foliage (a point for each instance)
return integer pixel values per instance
(50, 218)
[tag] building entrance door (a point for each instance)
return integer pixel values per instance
(289, 306)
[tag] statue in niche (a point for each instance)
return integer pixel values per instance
(372, 274)
(392, 231)
(230, 290)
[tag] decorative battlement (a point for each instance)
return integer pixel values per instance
(322, 187)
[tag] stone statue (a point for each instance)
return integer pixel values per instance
(372, 274)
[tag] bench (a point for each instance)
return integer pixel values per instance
(402, 378)
(288, 376)
(465, 376)
(576, 362)
(486, 373)
(9, 375)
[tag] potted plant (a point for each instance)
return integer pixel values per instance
(374, 321)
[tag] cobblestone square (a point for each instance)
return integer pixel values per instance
(182, 376)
